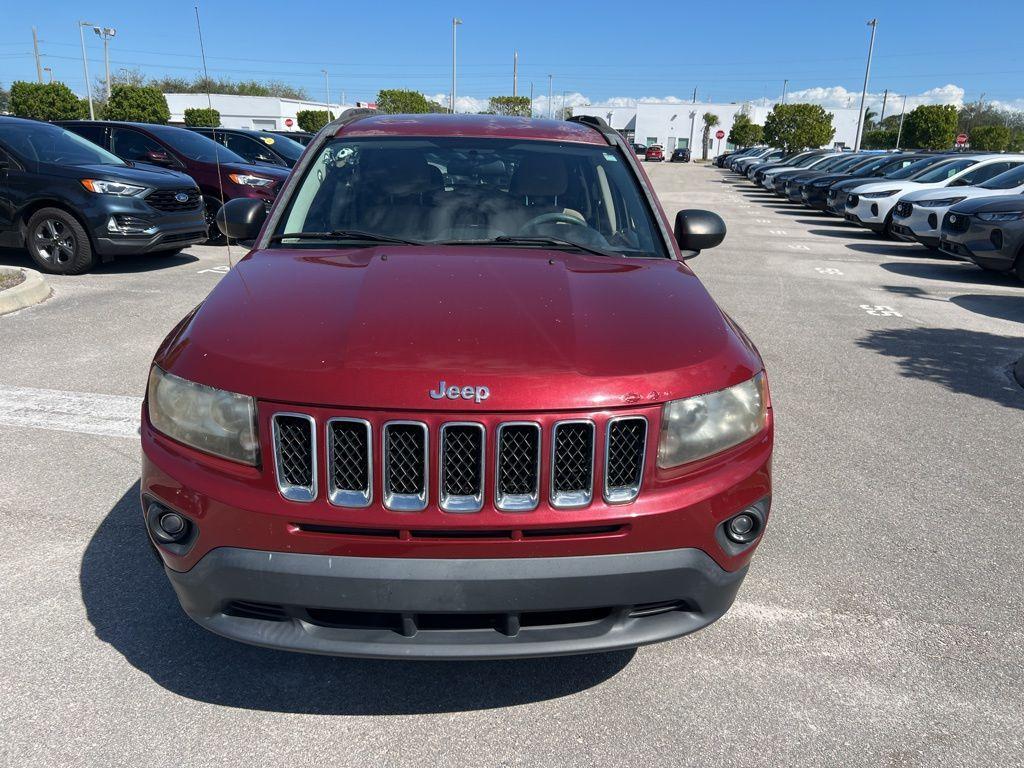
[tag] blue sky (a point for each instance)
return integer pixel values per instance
(939, 51)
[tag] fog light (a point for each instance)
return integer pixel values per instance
(170, 527)
(130, 225)
(743, 528)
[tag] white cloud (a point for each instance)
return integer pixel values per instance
(838, 97)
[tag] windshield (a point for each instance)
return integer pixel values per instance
(44, 143)
(834, 163)
(283, 145)
(1006, 180)
(456, 190)
(809, 160)
(195, 146)
(914, 169)
(848, 163)
(878, 164)
(945, 171)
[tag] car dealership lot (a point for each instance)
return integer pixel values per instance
(880, 624)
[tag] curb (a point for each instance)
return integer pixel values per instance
(32, 290)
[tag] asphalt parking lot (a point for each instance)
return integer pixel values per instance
(880, 624)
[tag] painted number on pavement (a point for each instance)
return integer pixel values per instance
(221, 270)
(798, 247)
(827, 271)
(777, 232)
(880, 310)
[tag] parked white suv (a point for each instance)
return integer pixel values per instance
(918, 215)
(871, 205)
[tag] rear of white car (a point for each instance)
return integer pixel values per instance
(917, 217)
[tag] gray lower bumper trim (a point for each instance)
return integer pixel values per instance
(410, 587)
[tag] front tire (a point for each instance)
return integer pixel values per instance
(58, 244)
(213, 235)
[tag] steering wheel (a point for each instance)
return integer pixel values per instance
(553, 218)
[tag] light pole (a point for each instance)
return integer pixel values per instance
(903, 113)
(327, 87)
(864, 93)
(693, 122)
(106, 33)
(455, 25)
(49, 72)
(785, 87)
(550, 79)
(85, 65)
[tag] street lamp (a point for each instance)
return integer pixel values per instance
(327, 85)
(106, 33)
(864, 94)
(85, 65)
(455, 24)
(49, 72)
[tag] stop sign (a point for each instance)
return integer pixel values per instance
(961, 139)
(289, 122)
(719, 134)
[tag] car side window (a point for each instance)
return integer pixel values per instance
(986, 172)
(132, 145)
(93, 133)
(251, 149)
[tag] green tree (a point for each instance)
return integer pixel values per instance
(202, 117)
(991, 138)
(313, 120)
(744, 133)
(931, 126)
(879, 138)
(869, 118)
(398, 101)
(45, 101)
(798, 126)
(5, 100)
(513, 106)
(218, 85)
(710, 121)
(137, 104)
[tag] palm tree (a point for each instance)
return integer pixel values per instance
(710, 121)
(869, 118)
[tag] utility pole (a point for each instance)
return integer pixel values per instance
(49, 72)
(85, 65)
(885, 98)
(455, 25)
(106, 33)
(563, 105)
(785, 87)
(864, 93)
(35, 49)
(327, 86)
(515, 74)
(693, 120)
(903, 113)
(531, 98)
(695, 94)
(550, 79)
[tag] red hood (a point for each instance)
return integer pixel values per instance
(380, 327)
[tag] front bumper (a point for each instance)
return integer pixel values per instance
(454, 608)
(172, 231)
(870, 213)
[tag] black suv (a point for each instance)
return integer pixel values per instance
(257, 147)
(70, 202)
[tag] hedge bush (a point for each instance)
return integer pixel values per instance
(46, 101)
(312, 120)
(138, 104)
(201, 117)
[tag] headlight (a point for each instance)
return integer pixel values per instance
(943, 203)
(208, 419)
(112, 187)
(249, 180)
(876, 195)
(1001, 216)
(701, 426)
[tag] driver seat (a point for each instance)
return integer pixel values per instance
(541, 182)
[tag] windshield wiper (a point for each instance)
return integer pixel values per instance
(342, 234)
(546, 240)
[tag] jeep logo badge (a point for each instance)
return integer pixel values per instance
(476, 394)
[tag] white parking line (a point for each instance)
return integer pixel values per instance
(91, 414)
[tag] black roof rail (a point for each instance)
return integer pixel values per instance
(598, 124)
(346, 117)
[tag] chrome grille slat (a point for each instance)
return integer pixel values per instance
(349, 462)
(405, 466)
(294, 436)
(625, 451)
(572, 463)
(461, 482)
(517, 473)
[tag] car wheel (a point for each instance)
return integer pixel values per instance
(213, 235)
(58, 244)
(1018, 267)
(887, 232)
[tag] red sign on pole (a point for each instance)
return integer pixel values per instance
(289, 122)
(962, 139)
(720, 134)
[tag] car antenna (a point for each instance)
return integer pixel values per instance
(209, 103)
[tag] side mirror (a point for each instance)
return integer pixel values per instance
(696, 230)
(159, 158)
(242, 218)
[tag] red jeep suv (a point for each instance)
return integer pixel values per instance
(463, 399)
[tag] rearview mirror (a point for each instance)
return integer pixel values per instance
(696, 230)
(242, 218)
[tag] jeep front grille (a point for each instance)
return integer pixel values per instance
(405, 466)
(624, 452)
(517, 477)
(295, 455)
(349, 462)
(572, 464)
(462, 467)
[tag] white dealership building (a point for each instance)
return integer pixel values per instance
(268, 113)
(676, 125)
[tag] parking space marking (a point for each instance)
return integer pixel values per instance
(223, 269)
(798, 247)
(92, 414)
(763, 221)
(828, 271)
(880, 310)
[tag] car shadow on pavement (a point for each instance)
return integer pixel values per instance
(968, 362)
(18, 257)
(953, 271)
(1000, 307)
(132, 607)
(844, 232)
